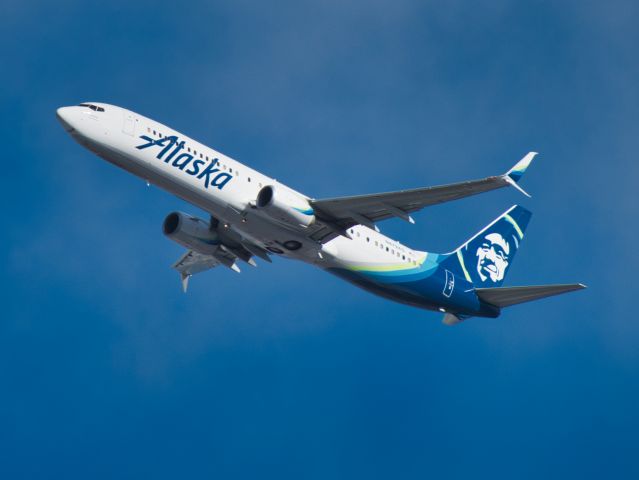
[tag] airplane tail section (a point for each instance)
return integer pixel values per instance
(507, 296)
(485, 258)
(501, 297)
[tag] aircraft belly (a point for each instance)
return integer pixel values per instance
(156, 176)
(432, 288)
(246, 223)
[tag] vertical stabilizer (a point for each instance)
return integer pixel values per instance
(484, 260)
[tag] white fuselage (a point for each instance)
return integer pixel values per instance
(115, 134)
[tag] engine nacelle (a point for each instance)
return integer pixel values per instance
(191, 232)
(285, 206)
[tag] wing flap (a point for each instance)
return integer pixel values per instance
(191, 263)
(507, 296)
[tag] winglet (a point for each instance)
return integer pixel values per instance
(513, 175)
(520, 167)
(514, 183)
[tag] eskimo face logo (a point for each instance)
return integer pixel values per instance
(492, 257)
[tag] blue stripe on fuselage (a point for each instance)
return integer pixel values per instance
(423, 288)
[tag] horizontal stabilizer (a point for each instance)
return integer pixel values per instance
(507, 296)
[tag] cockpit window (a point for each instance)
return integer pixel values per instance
(95, 108)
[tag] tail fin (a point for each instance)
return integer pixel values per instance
(485, 258)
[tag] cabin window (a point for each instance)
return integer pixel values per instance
(154, 132)
(249, 179)
(368, 239)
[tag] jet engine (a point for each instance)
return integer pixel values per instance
(285, 206)
(191, 232)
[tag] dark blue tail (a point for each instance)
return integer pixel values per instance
(485, 259)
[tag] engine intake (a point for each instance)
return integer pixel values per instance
(285, 206)
(191, 232)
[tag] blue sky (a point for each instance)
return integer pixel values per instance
(108, 370)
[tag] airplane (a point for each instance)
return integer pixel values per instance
(254, 216)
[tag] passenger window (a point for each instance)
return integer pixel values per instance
(154, 132)
(249, 179)
(368, 239)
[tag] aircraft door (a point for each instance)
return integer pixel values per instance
(129, 123)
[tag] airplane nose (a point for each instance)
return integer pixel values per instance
(64, 117)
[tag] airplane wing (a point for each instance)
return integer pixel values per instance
(341, 213)
(193, 262)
